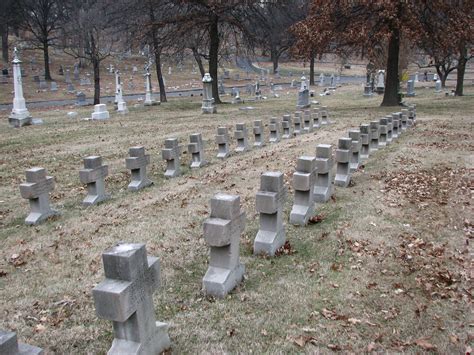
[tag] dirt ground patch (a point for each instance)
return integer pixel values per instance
(384, 267)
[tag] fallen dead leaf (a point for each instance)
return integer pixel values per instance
(423, 343)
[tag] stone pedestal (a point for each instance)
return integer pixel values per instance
(323, 188)
(354, 134)
(137, 163)
(303, 95)
(374, 136)
(93, 175)
(222, 140)
(274, 128)
(9, 345)
(269, 203)
(365, 141)
(307, 122)
(222, 233)
(303, 182)
(207, 99)
(240, 135)
(20, 116)
(100, 112)
(125, 297)
(298, 122)
(36, 189)
(196, 149)
(315, 115)
(287, 127)
(171, 154)
(343, 158)
(258, 134)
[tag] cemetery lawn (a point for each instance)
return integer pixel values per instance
(384, 269)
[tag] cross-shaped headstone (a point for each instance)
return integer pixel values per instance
(222, 233)
(36, 189)
(222, 140)
(171, 154)
(196, 148)
(93, 175)
(354, 134)
(323, 187)
(240, 135)
(125, 297)
(307, 121)
(287, 127)
(315, 116)
(258, 133)
(269, 203)
(9, 345)
(303, 182)
(298, 121)
(395, 122)
(365, 141)
(389, 129)
(374, 135)
(324, 115)
(274, 127)
(137, 163)
(343, 158)
(383, 129)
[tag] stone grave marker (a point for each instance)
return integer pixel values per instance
(81, 99)
(171, 154)
(137, 163)
(438, 86)
(323, 188)
(343, 158)
(365, 141)
(93, 175)
(354, 134)
(9, 345)
(222, 233)
(303, 95)
(380, 86)
(125, 297)
(100, 112)
(395, 122)
(404, 119)
(298, 121)
(374, 135)
(240, 135)
(410, 88)
(20, 116)
(36, 189)
(303, 182)
(269, 203)
(258, 134)
(321, 79)
(287, 127)
(54, 86)
(315, 115)
(196, 149)
(383, 129)
(368, 90)
(222, 140)
(389, 129)
(324, 115)
(274, 128)
(307, 121)
(207, 99)
(412, 115)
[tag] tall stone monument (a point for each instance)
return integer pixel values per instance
(20, 116)
(207, 99)
(149, 100)
(303, 95)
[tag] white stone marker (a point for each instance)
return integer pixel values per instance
(93, 175)
(258, 134)
(307, 122)
(274, 127)
(117, 85)
(410, 88)
(121, 104)
(240, 135)
(269, 203)
(100, 112)
(303, 182)
(298, 122)
(196, 149)
(222, 140)
(323, 188)
(149, 100)
(303, 95)
(20, 116)
(171, 154)
(354, 163)
(222, 233)
(125, 297)
(438, 86)
(383, 129)
(9, 345)
(324, 115)
(343, 158)
(404, 119)
(36, 189)
(315, 115)
(137, 163)
(365, 142)
(374, 136)
(207, 99)
(287, 127)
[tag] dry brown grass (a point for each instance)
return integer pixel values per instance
(382, 271)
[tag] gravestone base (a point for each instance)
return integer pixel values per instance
(138, 185)
(9, 345)
(90, 200)
(156, 345)
(218, 282)
(151, 103)
(300, 214)
(208, 106)
(122, 108)
(268, 243)
(20, 120)
(35, 218)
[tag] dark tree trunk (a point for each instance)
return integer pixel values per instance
(275, 58)
(96, 66)
(47, 73)
(461, 70)
(159, 75)
(214, 56)
(4, 33)
(198, 59)
(311, 69)
(390, 97)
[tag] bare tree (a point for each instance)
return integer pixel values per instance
(9, 17)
